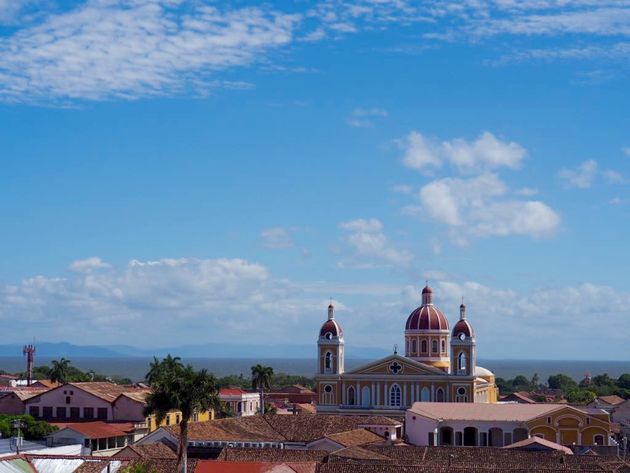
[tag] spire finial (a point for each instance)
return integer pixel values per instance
(462, 310)
(331, 310)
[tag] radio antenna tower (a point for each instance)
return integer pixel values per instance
(29, 351)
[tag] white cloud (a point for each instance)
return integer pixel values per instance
(478, 207)
(276, 238)
(88, 265)
(614, 177)
(9, 9)
(369, 247)
(582, 176)
(402, 188)
(626, 151)
(200, 299)
(364, 117)
(527, 191)
(135, 48)
(485, 152)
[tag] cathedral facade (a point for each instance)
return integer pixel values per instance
(440, 365)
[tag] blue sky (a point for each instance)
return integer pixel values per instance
(196, 172)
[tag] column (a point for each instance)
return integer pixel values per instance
(404, 394)
(432, 392)
(343, 393)
(357, 396)
(378, 394)
(386, 400)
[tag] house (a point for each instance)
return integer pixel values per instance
(13, 400)
(241, 402)
(521, 397)
(496, 425)
(538, 444)
(99, 401)
(349, 438)
(8, 380)
(608, 403)
(97, 437)
(296, 394)
(619, 409)
(274, 431)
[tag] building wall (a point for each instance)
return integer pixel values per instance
(66, 397)
(128, 409)
(11, 404)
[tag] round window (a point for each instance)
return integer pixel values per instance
(328, 388)
(461, 391)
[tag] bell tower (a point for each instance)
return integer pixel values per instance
(463, 346)
(330, 345)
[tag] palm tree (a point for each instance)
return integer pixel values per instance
(58, 373)
(262, 377)
(178, 387)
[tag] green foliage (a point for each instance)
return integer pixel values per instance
(72, 374)
(33, 429)
(58, 372)
(624, 381)
(603, 380)
(262, 376)
(562, 381)
(138, 467)
(581, 396)
(178, 387)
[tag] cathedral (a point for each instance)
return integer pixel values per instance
(440, 365)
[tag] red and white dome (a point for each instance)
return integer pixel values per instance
(427, 316)
(462, 325)
(331, 328)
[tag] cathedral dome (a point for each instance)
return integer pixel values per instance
(427, 316)
(331, 327)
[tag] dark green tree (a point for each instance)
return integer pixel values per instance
(262, 377)
(624, 381)
(178, 387)
(58, 372)
(561, 381)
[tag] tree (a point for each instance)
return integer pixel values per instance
(561, 381)
(520, 381)
(581, 396)
(58, 373)
(535, 381)
(603, 380)
(178, 387)
(262, 376)
(624, 381)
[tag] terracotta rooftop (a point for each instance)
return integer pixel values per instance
(107, 391)
(156, 450)
(352, 438)
(612, 400)
(274, 455)
(533, 441)
(97, 429)
(521, 395)
(233, 392)
(482, 412)
(254, 467)
(24, 393)
(277, 428)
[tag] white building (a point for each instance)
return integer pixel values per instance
(241, 402)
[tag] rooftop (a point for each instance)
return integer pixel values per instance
(482, 412)
(97, 429)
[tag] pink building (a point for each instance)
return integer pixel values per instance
(88, 401)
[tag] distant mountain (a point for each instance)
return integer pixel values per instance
(209, 350)
(47, 349)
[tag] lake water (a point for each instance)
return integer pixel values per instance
(136, 368)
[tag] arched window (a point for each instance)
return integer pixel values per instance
(351, 396)
(461, 361)
(598, 440)
(328, 361)
(394, 395)
(434, 346)
(443, 346)
(424, 346)
(414, 346)
(425, 395)
(439, 395)
(328, 394)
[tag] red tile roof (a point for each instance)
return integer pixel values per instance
(533, 441)
(97, 429)
(254, 467)
(233, 392)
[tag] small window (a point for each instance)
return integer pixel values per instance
(434, 346)
(424, 346)
(177, 419)
(443, 346)
(461, 391)
(88, 413)
(598, 440)
(588, 420)
(394, 396)
(67, 399)
(548, 420)
(328, 388)
(431, 438)
(102, 413)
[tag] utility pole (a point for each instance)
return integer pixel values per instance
(19, 425)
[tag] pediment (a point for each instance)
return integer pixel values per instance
(398, 365)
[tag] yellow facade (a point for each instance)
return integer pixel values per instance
(570, 426)
(174, 418)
